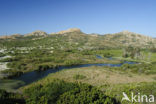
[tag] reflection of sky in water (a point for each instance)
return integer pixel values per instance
(98, 56)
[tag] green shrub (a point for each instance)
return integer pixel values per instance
(108, 55)
(85, 94)
(2, 54)
(49, 93)
(147, 88)
(10, 98)
(72, 62)
(62, 92)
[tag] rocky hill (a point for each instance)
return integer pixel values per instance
(36, 33)
(76, 38)
(69, 31)
(129, 38)
(14, 36)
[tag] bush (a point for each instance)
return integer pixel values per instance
(147, 88)
(43, 67)
(2, 54)
(48, 93)
(10, 98)
(108, 55)
(62, 92)
(153, 50)
(72, 62)
(7, 60)
(85, 94)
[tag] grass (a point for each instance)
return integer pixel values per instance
(145, 59)
(9, 84)
(98, 76)
(117, 53)
(78, 76)
(153, 57)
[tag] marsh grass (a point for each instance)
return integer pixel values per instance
(10, 85)
(97, 76)
(78, 76)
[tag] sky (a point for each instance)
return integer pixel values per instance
(91, 16)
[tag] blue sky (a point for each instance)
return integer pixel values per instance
(91, 16)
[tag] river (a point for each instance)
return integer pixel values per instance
(33, 76)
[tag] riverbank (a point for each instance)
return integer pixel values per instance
(98, 76)
(109, 80)
(43, 59)
(82, 60)
(30, 77)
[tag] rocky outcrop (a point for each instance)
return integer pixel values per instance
(14, 36)
(37, 33)
(68, 31)
(127, 38)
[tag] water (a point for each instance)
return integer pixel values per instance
(33, 76)
(98, 56)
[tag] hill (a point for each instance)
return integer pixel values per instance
(75, 38)
(129, 38)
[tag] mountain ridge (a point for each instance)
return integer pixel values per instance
(91, 41)
(42, 33)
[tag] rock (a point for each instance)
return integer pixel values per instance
(10, 36)
(69, 30)
(37, 33)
